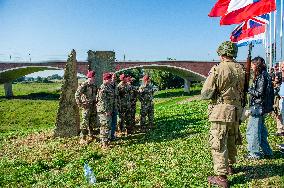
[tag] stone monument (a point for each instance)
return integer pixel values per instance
(68, 118)
(100, 62)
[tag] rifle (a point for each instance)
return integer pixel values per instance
(239, 140)
(247, 77)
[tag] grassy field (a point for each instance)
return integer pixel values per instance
(174, 154)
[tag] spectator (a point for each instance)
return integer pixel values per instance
(256, 130)
(280, 127)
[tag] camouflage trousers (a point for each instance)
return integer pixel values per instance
(105, 127)
(123, 115)
(147, 110)
(89, 121)
(132, 112)
(130, 119)
(222, 139)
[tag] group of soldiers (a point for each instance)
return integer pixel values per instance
(101, 106)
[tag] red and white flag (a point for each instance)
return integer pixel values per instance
(237, 11)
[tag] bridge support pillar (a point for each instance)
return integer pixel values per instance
(8, 90)
(187, 84)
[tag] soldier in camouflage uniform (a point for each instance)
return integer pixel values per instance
(115, 108)
(105, 102)
(133, 92)
(146, 93)
(123, 103)
(224, 87)
(86, 99)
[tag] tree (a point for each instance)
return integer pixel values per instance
(39, 79)
(21, 79)
(164, 79)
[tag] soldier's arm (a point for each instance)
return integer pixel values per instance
(95, 94)
(140, 93)
(118, 97)
(209, 88)
(103, 100)
(78, 93)
(109, 101)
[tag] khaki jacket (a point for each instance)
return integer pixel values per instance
(225, 88)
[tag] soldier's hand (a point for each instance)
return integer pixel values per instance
(108, 113)
(78, 102)
(84, 105)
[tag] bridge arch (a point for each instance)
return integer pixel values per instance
(9, 75)
(179, 71)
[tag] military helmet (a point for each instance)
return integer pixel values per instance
(228, 48)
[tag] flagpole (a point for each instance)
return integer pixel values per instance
(266, 44)
(281, 31)
(270, 41)
(274, 37)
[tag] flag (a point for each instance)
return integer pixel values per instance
(220, 8)
(250, 31)
(237, 11)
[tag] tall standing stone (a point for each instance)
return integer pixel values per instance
(68, 118)
(100, 62)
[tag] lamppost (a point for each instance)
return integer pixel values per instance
(30, 57)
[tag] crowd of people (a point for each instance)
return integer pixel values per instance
(102, 105)
(225, 87)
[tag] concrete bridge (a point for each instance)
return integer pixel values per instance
(188, 70)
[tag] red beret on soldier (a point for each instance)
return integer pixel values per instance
(91, 74)
(122, 77)
(146, 77)
(107, 76)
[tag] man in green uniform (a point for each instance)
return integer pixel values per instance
(123, 103)
(86, 99)
(224, 87)
(133, 92)
(146, 93)
(105, 104)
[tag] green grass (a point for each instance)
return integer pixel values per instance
(174, 154)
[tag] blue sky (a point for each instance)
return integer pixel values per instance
(140, 29)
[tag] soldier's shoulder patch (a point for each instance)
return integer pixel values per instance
(102, 87)
(83, 84)
(213, 69)
(101, 90)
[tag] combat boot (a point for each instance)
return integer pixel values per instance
(83, 140)
(231, 170)
(129, 131)
(105, 145)
(221, 181)
(151, 125)
(143, 129)
(91, 138)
